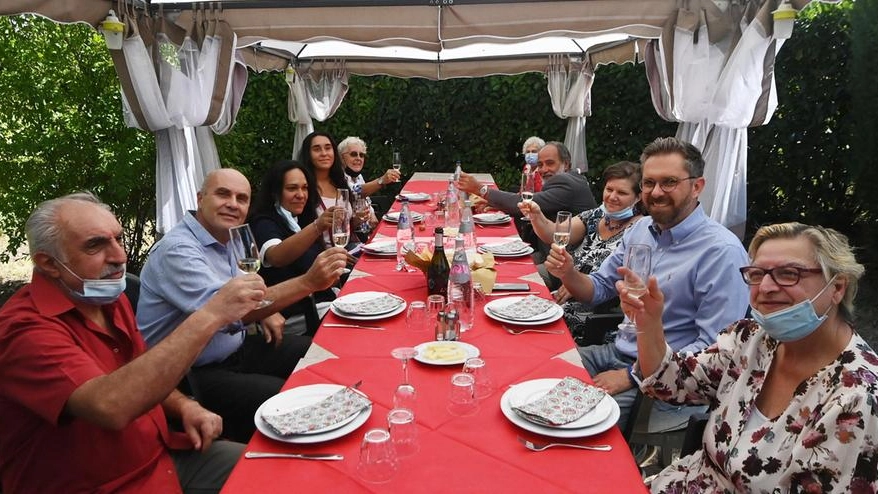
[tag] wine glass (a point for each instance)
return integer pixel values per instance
(528, 184)
(404, 396)
(242, 243)
(563, 223)
(341, 230)
(363, 210)
(638, 260)
(397, 160)
(343, 198)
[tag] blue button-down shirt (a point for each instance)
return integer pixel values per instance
(696, 264)
(185, 268)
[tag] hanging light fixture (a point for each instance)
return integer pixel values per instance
(784, 18)
(112, 29)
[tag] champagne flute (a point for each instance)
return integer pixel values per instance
(638, 260)
(363, 209)
(242, 243)
(343, 198)
(404, 396)
(563, 223)
(397, 160)
(528, 184)
(341, 231)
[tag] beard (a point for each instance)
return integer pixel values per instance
(671, 213)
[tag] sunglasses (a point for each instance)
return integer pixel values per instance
(356, 154)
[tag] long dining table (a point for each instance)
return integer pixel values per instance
(478, 453)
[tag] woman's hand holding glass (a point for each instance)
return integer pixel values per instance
(341, 231)
(637, 267)
(363, 210)
(563, 223)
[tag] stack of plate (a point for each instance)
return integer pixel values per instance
(368, 306)
(494, 308)
(380, 248)
(491, 218)
(393, 217)
(601, 418)
(303, 396)
(511, 248)
(414, 196)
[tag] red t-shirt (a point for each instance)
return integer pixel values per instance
(47, 350)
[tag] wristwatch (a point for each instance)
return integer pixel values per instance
(483, 191)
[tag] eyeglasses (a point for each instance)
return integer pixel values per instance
(356, 154)
(782, 275)
(667, 185)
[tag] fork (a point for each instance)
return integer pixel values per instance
(543, 446)
(520, 331)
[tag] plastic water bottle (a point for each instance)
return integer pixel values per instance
(460, 286)
(452, 207)
(461, 195)
(404, 234)
(467, 228)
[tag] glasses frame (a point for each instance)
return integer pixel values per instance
(770, 272)
(666, 185)
(356, 154)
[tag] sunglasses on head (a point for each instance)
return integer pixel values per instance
(357, 154)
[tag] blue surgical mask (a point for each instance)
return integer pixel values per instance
(97, 292)
(531, 158)
(794, 322)
(618, 215)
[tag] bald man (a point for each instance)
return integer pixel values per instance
(236, 372)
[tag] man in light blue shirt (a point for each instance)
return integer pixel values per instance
(235, 373)
(694, 258)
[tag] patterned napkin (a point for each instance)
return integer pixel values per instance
(331, 410)
(513, 247)
(567, 402)
(526, 308)
(377, 305)
(491, 217)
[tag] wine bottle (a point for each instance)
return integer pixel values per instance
(439, 269)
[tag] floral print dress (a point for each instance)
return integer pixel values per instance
(825, 441)
(587, 257)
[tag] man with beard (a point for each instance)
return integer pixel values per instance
(694, 258)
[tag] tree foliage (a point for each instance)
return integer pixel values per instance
(61, 126)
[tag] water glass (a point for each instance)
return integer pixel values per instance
(416, 317)
(429, 222)
(477, 368)
(435, 304)
(378, 459)
(462, 400)
(403, 432)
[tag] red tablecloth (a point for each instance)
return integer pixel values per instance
(457, 454)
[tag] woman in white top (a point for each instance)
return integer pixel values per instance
(353, 156)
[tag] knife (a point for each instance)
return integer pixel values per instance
(336, 325)
(301, 456)
(510, 294)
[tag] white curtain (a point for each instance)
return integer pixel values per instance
(179, 89)
(314, 93)
(713, 71)
(570, 91)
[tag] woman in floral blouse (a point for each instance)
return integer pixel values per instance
(794, 390)
(594, 235)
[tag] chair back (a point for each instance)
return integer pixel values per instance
(132, 289)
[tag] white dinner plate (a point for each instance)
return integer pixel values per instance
(470, 351)
(304, 396)
(527, 425)
(393, 217)
(361, 296)
(533, 390)
(551, 315)
(381, 248)
(415, 196)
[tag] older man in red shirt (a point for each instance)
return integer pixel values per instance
(83, 404)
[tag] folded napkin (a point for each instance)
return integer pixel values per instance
(377, 305)
(491, 216)
(512, 247)
(567, 402)
(526, 308)
(331, 410)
